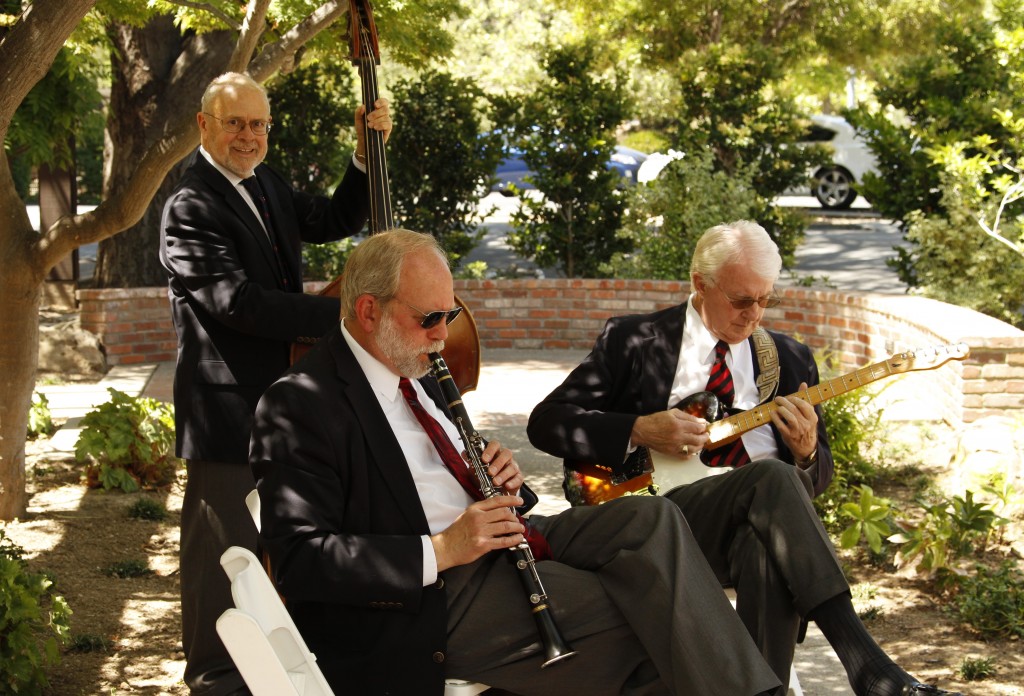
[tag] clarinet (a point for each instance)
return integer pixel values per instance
(555, 647)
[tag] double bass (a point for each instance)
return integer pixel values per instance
(462, 348)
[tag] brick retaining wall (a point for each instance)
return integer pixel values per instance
(858, 328)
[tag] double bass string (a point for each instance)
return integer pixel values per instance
(380, 201)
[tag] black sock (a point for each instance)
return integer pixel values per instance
(870, 670)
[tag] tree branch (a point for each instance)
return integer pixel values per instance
(274, 56)
(248, 38)
(1013, 193)
(122, 208)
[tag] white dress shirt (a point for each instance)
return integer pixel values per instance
(697, 355)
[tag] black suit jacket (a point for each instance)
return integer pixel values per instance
(629, 373)
(234, 319)
(341, 520)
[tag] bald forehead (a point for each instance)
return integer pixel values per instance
(236, 90)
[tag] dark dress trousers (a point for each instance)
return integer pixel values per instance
(342, 520)
(235, 322)
(756, 524)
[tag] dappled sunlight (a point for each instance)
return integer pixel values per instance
(146, 618)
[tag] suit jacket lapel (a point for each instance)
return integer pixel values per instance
(233, 200)
(387, 454)
(660, 356)
(283, 230)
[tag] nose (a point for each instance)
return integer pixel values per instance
(754, 311)
(438, 332)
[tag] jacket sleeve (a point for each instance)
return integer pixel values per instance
(586, 417)
(796, 364)
(330, 537)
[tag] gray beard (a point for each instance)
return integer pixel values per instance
(403, 354)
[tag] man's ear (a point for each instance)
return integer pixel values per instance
(698, 283)
(368, 312)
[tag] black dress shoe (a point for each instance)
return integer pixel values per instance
(919, 688)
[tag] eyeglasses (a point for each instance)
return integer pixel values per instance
(432, 319)
(258, 126)
(772, 299)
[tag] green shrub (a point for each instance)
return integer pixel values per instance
(947, 533)
(148, 509)
(992, 601)
(869, 520)
(132, 568)
(33, 623)
(325, 261)
(88, 642)
(128, 442)
(441, 167)
(667, 216)
(976, 669)
(566, 131)
(39, 420)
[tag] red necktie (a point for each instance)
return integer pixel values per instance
(720, 384)
(256, 193)
(458, 466)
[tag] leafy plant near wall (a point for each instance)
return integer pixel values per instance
(39, 420)
(33, 623)
(948, 532)
(992, 600)
(128, 442)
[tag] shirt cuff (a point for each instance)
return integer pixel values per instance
(359, 165)
(429, 562)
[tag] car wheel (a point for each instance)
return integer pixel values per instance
(834, 189)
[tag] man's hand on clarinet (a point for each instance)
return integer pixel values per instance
(502, 468)
(485, 526)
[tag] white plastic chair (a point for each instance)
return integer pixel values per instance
(264, 642)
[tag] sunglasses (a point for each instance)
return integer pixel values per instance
(770, 300)
(432, 319)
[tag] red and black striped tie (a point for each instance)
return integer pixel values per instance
(454, 462)
(720, 384)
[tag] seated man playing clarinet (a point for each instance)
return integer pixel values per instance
(401, 568)
(756, 525)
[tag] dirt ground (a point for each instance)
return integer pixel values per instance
(132, 624)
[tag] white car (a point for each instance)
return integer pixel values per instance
(835, 186)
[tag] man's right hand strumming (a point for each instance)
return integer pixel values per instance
(670, 432)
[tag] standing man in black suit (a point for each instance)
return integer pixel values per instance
(385, 560)
(231, 243)
(755, 525)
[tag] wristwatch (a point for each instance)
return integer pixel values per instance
(805, 463)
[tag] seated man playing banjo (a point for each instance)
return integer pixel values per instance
(756, 526)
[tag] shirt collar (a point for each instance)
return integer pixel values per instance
(228, 174)
(703, 340)
(382, 380)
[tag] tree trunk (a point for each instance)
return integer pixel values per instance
(158, 75)
(20, 292)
